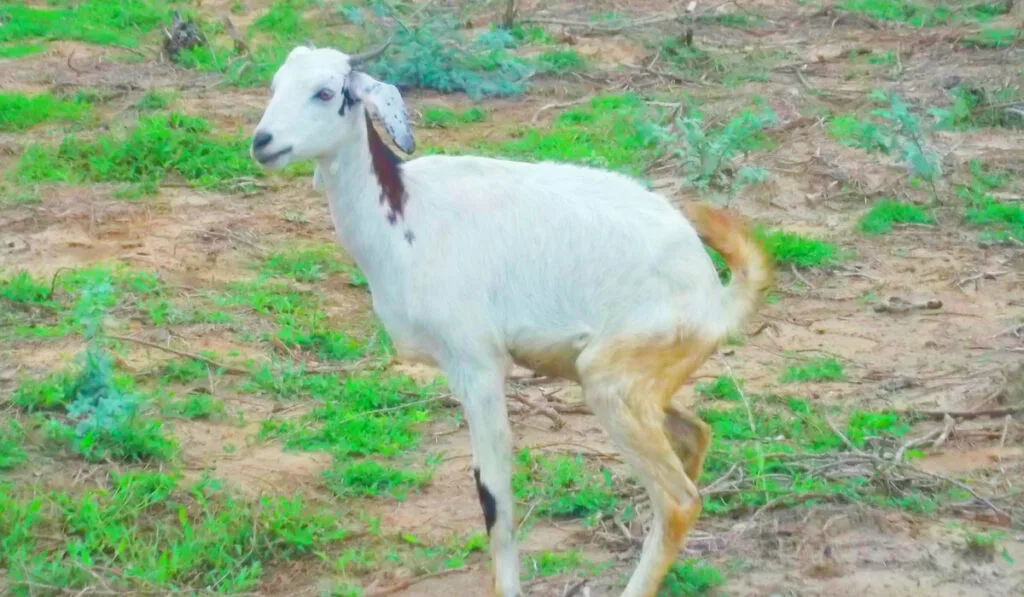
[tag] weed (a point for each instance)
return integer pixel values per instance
(158, 146)
(725, 387)
(195, 406)
(563, 486)
(19, 112)
(922, 14)
(977, 107)
(886, 212)
(370, 479)
(790, 248)
(53, 392)
(707, 152)
(445, 118)
(609, 133)
(818, 369)
(531, 34)
(12, 451)
(23, 288)
(185, 370)
(690, 578)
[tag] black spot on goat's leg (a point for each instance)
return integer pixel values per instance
(486, 502)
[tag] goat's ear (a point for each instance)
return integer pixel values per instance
(386, 103)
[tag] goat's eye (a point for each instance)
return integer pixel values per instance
(324, 95)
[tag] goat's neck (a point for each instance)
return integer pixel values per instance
(359, 211)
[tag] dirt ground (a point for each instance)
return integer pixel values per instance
(947, 359)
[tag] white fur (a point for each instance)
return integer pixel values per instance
(508, 262)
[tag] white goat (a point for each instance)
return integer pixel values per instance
(475, 264)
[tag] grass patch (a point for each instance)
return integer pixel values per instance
(793, 457)
(146, 531)
(690, 578)
(366, 478)
(304, 265)
(363, 415)
(445, 118)
(556, 62)
(818, 369)
(194, 406)
(1000, 221)
(792, 249)
(155, 100)
(724, 387)
(159, 146)
(561, 486)
(19, 112)
(90, 21)
(12, 450)
(977, 107)
(923, 14)
(728, 68)
(609, 132)
(13, 51)
(886, 212)
(544, 564)
(992, 37)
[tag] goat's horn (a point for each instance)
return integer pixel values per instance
(358, 59)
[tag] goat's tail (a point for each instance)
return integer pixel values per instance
(724, 231)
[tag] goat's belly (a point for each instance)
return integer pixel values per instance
(553, 359)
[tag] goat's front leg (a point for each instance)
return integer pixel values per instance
(482, 391)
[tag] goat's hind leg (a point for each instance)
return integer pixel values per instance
(482, 391)
(629, 392)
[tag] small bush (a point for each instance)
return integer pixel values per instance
(690, 578)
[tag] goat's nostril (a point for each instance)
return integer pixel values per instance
(261, 140)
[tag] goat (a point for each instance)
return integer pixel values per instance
(475, 264)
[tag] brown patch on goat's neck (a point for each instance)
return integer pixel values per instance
(387, 168)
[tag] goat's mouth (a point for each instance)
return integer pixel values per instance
(269, 159)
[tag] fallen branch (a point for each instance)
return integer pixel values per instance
(405, 584)
(544, 409)
(181, 353)
(940, 415)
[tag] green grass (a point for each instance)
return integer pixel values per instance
(311, 264)
(608, 132)
(12, 450)
(560, 486)
(151, 532)
(19, 112)
(194, 406)
(557, 62)
(920, 14)
(817, 369)
(158, 147)
(90, 21)
(544, 564)
(792, 249)
(155, 100)
(1001, 221)
(690, 578)
(977, 107)
(367, 478)
(724, 387)
(886, 212)
(361, 415)
(445, 118)
(992, 37)
(13, 51)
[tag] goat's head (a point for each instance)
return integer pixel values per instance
(316, 107)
